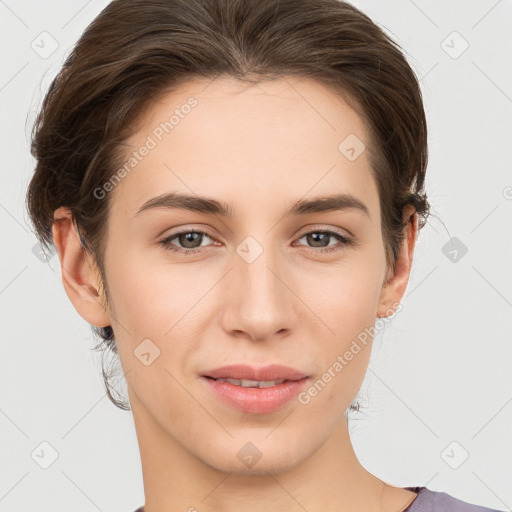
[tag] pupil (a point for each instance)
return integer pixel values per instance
(317, 236)
(189, 238)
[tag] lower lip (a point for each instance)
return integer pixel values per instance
(256, 400)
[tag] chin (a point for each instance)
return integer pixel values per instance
(275, 464)
(255, 458)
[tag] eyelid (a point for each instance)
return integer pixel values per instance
(322, 228)
(174, 234)
(188, 229)
(344, 239)
(315, 227)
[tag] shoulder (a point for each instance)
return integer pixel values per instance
(436, 501)
(432, 501)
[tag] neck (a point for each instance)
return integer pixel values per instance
(332, 479)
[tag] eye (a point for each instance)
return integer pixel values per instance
(190, 241)
(319, 238)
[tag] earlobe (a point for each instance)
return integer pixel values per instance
(396, 283)
(80, 280)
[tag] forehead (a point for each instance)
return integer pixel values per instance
(247, 142)
(293, 107)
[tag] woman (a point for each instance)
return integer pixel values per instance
(235, 190)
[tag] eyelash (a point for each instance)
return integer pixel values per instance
(345, 241)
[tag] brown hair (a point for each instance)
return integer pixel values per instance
(137, 50)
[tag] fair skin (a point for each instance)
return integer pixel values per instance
(259, 149)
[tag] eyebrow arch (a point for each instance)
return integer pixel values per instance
(329, 203)
(206, 205)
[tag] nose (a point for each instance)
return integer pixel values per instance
(260, 301)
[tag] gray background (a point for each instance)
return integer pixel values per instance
(439, 386)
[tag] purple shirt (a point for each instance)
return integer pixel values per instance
(432, 501)
(436, 501)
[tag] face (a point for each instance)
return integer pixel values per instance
(260, 284)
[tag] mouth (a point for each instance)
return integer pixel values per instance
(255, 390)
(245, 383)
(244, 372)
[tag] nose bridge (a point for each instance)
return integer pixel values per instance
(255, 269)
(260, 303)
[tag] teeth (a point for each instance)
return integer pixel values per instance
(252, 383)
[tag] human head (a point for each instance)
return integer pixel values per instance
(100, 97)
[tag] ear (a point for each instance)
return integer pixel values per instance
(395, 284)
(80, 276)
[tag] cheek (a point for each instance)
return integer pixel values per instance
(346, 294)
(151, 297)
(154, 308)
(346, 300)
(349, 309)
(160, 309)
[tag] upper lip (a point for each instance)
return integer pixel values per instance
(264, 373)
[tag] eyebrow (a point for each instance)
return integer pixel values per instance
(173, 200)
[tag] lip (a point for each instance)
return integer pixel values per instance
(244, 371)
(256, 400)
